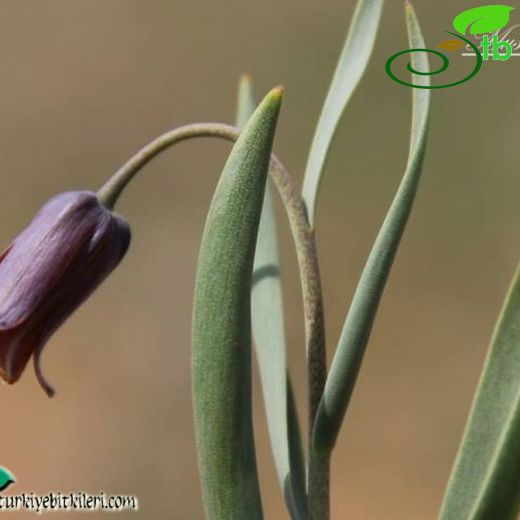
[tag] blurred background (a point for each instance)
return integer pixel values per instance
(86, 84)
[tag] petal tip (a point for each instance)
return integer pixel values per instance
(46, 386)
(6, 377)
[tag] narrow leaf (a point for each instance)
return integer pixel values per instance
(221, 361)
(349, 71)
(246, 102)
(360, 318)
(485, 481)
(269, 338)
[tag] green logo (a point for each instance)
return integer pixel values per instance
(6, 479)
(484, 21)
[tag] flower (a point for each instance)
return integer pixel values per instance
(69, 248)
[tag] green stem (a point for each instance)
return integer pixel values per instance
(307, 261)
(112, 189)
(318, 484)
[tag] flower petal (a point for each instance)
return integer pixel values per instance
(41, 254)
(105, 251)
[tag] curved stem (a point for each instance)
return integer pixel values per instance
(112, 189)
(306, 253)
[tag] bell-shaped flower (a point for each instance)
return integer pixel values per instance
(69, 248)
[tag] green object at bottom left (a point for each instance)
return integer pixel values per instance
(6, 479)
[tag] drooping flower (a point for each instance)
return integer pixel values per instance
(69, 248)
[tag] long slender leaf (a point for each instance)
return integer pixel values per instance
(349, 71)
(485, 482)
(221, 338)
(269, 336)
(358, 324)
(246, 103)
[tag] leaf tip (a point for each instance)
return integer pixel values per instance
(411, 17)
(274, 97)
(245, 78)
(277, 92)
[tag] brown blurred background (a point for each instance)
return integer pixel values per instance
(84, 84)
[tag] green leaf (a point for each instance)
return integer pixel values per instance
(6, 479)
(269, 336)
(360, 318)
(484, 19)
(485, 481)
(246, 102)
(349, 71)
(221, 336)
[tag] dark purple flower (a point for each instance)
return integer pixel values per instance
(68, 249)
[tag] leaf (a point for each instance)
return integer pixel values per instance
(246, 102)
(349, 71)
(484, 19)
(221, 337)
(360, 318)
(269, 336)
(6, 479)
(485, 480)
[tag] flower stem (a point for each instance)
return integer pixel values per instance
(306, 253)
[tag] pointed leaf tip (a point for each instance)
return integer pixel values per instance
(271, 102)
(276, 93)
(272, 99)
(409, 9)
